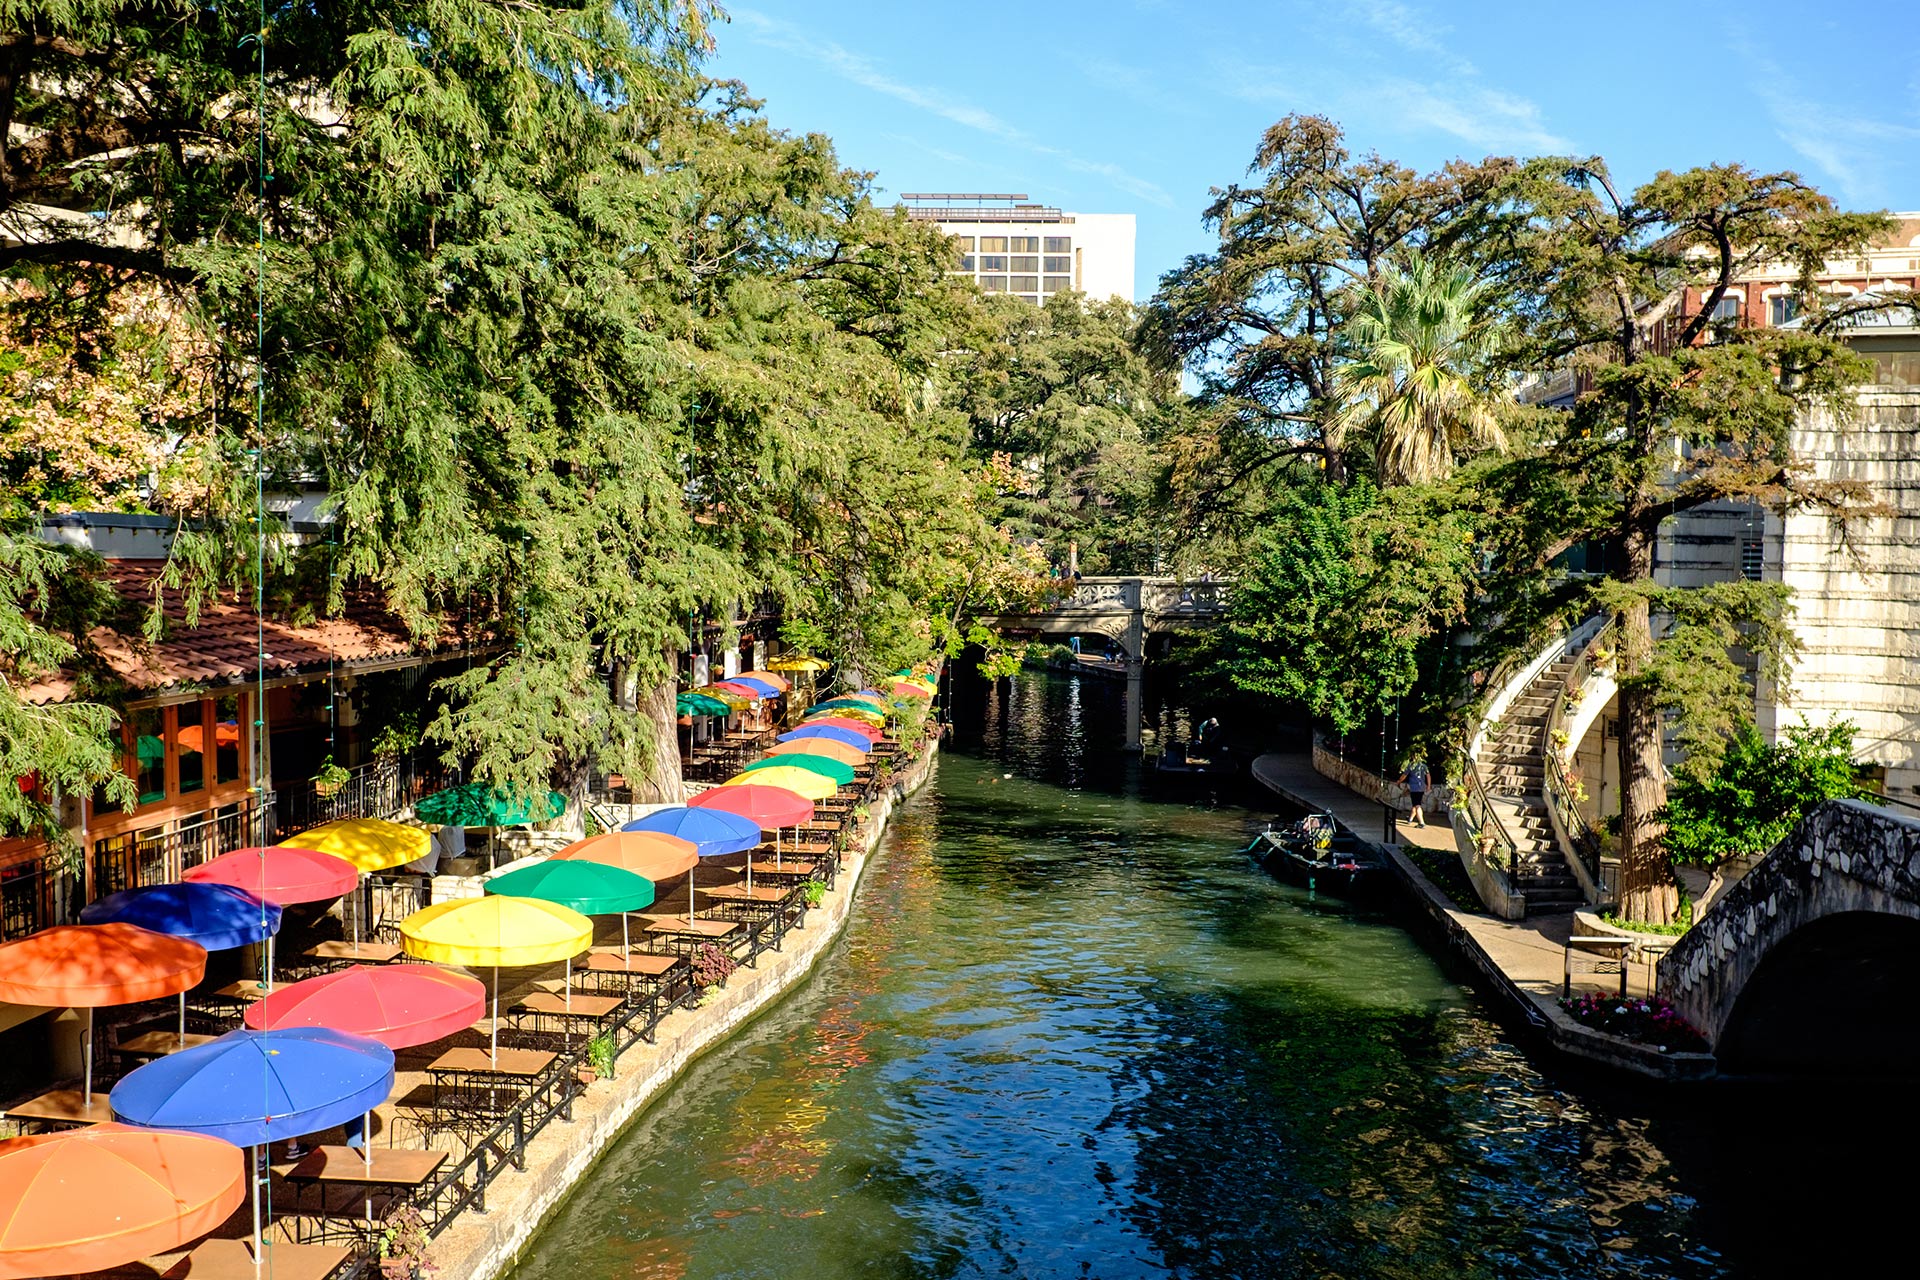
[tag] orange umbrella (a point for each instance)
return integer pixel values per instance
(89, 1199)
(193, 737)
(773, 678)
(652, 854)
(827, 747)
(87, 966)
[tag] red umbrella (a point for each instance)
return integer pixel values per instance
(280, 874)
(746, 691)
(848, 722)
(399, 1005)
(771, 807)
(901, 689)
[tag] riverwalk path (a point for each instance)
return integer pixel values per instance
(1522, 960)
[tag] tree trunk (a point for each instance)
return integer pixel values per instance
(660, 724)
(1647, 890)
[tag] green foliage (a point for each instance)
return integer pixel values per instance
(1757, 791)
(1344, 590)
(66, 746)
(601, 1055)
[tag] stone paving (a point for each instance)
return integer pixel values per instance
(1523, 958)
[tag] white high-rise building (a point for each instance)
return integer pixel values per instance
(1032, 251)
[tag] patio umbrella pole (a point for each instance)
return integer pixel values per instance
(86, 1085)
(626, 944)
(253, 1194)
(691, 914)
(495, 1029)
(183, 1020)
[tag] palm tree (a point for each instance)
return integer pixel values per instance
(1420, 344)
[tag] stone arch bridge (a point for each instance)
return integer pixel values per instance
(1127, 611)
(1811, 962)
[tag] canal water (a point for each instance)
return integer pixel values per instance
(1071, 1031)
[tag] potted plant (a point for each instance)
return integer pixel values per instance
(330, 778)
(599, 1061)
(402, 1245)
(814, 891)
(711, 966)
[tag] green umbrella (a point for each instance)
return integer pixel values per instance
(591, 888)
(472, 805)
(825, 766)
(699, 704)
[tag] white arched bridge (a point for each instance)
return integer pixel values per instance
(1128, 611)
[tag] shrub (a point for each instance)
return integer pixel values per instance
(711, 966)
(1756, 794)
(1645, 1020)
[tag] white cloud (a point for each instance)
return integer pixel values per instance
(1413, 31)
(856, 69)
(1851, 150)
(1482, 117)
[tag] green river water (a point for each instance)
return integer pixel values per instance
(1071, 1031)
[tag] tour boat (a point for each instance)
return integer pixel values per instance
(1317, 852)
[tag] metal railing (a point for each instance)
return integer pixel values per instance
(162, 854)
(1494, 844)
(378, 789)
(1559, 786)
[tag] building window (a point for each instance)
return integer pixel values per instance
(966, 262)
(226, 739)
(1753, 560)
(963, 243)
(995, 262)
(1024, 244)
(1057, 284)
(1059, 244)
(1026, 284)
(994, 284)
(1026, 264)
(189, 745)
(993, 244)
(1782, 308)
(1064, 263)
(1028, 297)
(149, 755)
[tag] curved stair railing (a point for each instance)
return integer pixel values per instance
(1582, 841)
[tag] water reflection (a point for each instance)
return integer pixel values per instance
(1071, 1033)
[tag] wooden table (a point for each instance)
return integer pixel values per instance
(476, 1075)
(233, 1260)
(796, 868)
(399, 1168)
(158, 1044)
(62, 1108)
(631, 973)
(363, 952)
(244, 992)
(705, 928)
(759, 895)
(543, 1005)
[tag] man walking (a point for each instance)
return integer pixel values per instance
(1416, 780)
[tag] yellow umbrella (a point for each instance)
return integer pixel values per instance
(797, 663)
(497, 930)
(802, 782)
(735, 703)
(370, 844)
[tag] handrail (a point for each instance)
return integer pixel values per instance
(1472, 803)
(1559, 785)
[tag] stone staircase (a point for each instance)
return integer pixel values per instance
(1513, 768)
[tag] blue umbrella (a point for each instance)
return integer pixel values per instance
(766, 689)
(254, 1087)
(217, 916)
(711, 832)
(832, 733)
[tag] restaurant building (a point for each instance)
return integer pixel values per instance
(214, 767)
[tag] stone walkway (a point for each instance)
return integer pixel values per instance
(1522, 958)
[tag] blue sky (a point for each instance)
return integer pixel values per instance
(1140, 106)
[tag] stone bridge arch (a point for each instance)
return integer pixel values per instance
(1126, 610)
(1813, 958)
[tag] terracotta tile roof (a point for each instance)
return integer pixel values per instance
(222, 648)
